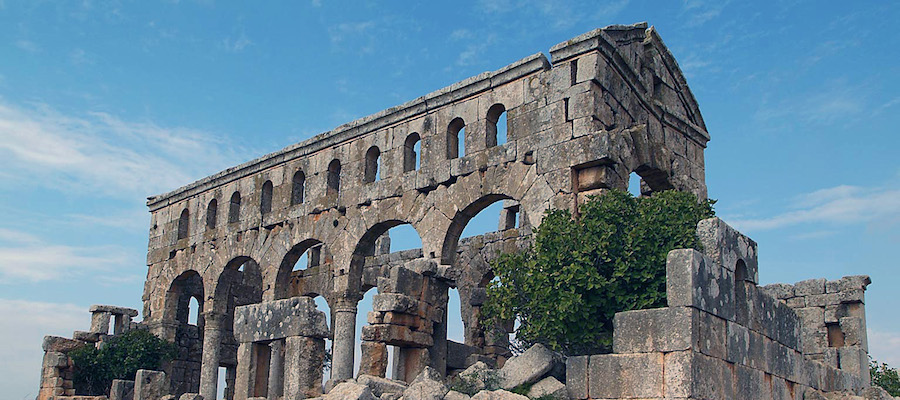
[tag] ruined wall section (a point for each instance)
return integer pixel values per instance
(832, 318)
(613, 102)
(721, 337)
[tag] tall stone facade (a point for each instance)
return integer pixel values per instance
(607, 104)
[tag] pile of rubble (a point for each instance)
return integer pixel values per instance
(538, 373)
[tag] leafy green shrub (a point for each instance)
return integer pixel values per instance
(885, 376)
(119, 358)
(581, 271)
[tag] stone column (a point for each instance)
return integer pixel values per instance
(303, 359)
(374, 359)
(246, 372)
(276, 369)
(209, 365)
(100, 322)
(438, 351)
(344, 340)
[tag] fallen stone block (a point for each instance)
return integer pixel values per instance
(498, 395)
(121, 390)
(429, 385)
(350, 391)
(381, 385)
(548, 387)
(454, 395)
(528, 367)
(150, 385)
(191, 396)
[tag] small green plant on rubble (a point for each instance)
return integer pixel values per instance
(118, 358)
(582, 270)
(472, 383)
(885, 376)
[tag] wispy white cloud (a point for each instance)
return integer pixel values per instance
(460, 34)
(237, 44)
(23, 325)
(838, 205)
(316, 3)
(832, 102)
(700, 12)
(136, 219)
(80, 57)
(100, 153)
(474, 50)
(343, 31)
(28, 46)
(884, 346)
(24, 257)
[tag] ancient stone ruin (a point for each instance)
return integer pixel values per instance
(607, 104)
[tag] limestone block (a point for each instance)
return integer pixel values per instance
(689, 374)
(548, 387)
(781, 291)
(737, 344)
(749, 384)
(848, 283)
(402, 280)
(499, 394)
(114, 310)
(55, 359)
(626, 376)
(121, 390)
(661, 329)
(396, 335)
(150, 385)
(270, 320)
(60, 344)
(91, 337)
(577, 376)
(528, 367)
(380, 386)
(810, 287)
(854, 331)
(395, 302)
(191, 396)
(458, 353)
(725, 245)
(428, 385)
(373, 360)
(479, 377)
(303, 360)
(694, 280)
(855, 360)
(454, 395)
(350, 391)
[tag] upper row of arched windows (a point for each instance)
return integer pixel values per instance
(495, 135)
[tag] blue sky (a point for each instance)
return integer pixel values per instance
(103, 103)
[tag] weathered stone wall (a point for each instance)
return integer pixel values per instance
(608, 103)
(721, 336)
(832, 320)
(57, 369)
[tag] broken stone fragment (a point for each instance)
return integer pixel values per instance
(380, 385)
(528, 367)
(548, 387)
(350, 391)
(498, 395)
(429, 385)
